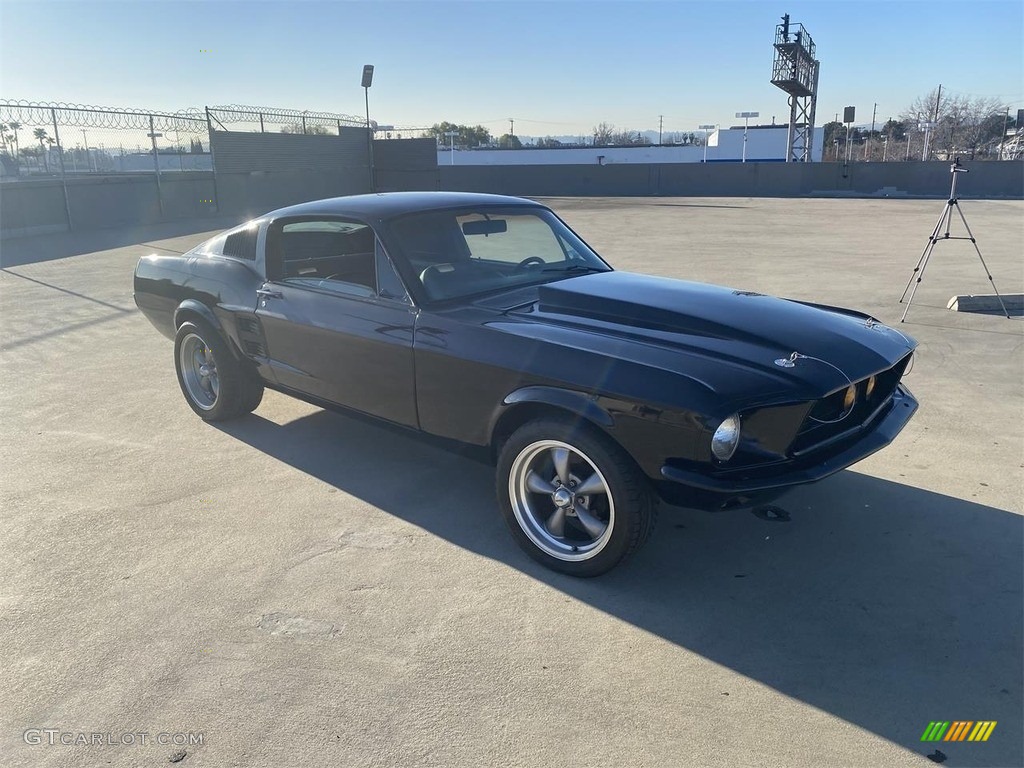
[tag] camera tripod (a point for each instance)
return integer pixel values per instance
(944, 222)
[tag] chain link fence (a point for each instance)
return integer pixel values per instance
(60, 140)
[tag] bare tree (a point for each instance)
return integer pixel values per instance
(603, 134)
(312, 130)
(963, 123)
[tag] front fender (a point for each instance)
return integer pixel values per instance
(504, 421)
(569, 400)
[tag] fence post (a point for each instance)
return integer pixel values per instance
(213, 159)
(63, 175)
(261, 123)
(156, 166)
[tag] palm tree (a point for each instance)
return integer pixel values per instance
(15, 126)
(42, 138)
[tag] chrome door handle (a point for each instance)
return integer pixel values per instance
(266, 293)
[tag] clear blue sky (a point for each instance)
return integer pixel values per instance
(557, 67)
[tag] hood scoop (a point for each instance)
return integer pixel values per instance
(642, 301)
(723, 321)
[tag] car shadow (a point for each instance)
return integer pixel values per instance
(883, 604)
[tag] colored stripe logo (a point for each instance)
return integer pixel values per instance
(958, 730)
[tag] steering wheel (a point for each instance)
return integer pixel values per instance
(531, 261)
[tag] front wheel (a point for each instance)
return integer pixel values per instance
(214, 383)
(572, 499)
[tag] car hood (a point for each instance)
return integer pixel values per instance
(743, 332)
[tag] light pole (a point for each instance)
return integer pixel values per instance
(88, 162)
(746, 117)
(153, 135)
(451, 136)
(927, 126)
(849, 115)
(366, 83)
(707, 132)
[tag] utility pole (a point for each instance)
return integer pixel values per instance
(661, 123)
(873, 112)
(511, 126)
(1002, 139)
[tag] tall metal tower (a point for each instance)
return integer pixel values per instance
(795, 70)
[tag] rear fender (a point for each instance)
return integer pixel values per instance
(191, 309)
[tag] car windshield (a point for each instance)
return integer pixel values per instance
(454, 254)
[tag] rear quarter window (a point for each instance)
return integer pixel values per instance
(241, 244)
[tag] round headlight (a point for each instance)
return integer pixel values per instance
(726, 438)
(849, 398)
(869, 388)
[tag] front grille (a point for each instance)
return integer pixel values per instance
(826, 420)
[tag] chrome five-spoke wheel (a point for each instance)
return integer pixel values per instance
(561, 500)
(217, 384)
(199, 371)
(571, 497)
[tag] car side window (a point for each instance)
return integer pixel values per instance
(330, 254)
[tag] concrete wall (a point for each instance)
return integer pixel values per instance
(258, 172)
(32, 207)
(257, 192)
(913, 179)
(406, 164)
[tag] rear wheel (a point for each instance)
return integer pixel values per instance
(573, 500)
(214, 383)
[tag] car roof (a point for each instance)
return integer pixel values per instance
(385, 205)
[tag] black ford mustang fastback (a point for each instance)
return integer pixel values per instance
(486, 320)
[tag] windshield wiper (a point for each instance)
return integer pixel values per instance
(575, 268)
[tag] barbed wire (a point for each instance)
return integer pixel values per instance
(248, 113)
(191, 119)
(93, 116)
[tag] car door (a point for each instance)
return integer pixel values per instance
(337, 321)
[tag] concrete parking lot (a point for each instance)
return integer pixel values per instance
(303, 588)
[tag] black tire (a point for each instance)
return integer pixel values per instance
(235, 391)
(625, 506)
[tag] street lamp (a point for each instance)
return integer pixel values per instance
(746, 117)
(706, 129)
(451, 135)
(366, 83)
(849, 115)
